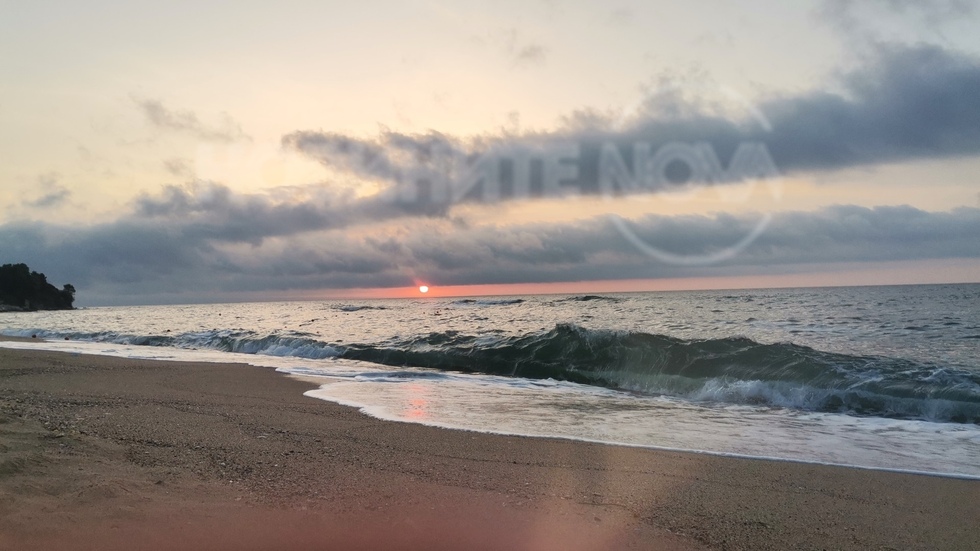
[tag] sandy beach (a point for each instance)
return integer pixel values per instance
(108, 453)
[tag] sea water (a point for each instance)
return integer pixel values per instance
(875, 377)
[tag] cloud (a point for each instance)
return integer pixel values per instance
(182, 168)
(595, 249)
(864, 21)
(530, 53)
(206, 210)
(907, 103)
(900, 104)
(520, 50)
(207, 240)
(210, 211)
(393, 156)
(50, 200)
(187, 122)
(53, 193)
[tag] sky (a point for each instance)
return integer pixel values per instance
(223, 151)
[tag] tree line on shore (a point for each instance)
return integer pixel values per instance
(23, 289)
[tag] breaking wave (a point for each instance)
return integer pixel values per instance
(290, 343)
(734, 370)
(730, 370)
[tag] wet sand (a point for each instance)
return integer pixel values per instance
(109, 453)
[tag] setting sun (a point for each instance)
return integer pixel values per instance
(423, 288)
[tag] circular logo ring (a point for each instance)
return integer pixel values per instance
(773, 179)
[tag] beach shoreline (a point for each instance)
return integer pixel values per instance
(98, 452)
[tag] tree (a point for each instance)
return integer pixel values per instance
(68, 294)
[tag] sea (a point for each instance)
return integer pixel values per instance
(883, 377)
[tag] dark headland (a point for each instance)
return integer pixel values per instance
(24, 290)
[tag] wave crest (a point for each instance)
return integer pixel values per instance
(731, 370)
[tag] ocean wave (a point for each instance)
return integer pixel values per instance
(730, 370)
(733, 370)
(590, 298)
(356, 307)
(286, 344)
(488, 301)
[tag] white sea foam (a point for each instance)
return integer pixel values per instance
(567, 410)
(559, 409)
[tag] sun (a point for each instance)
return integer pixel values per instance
(423, 289)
